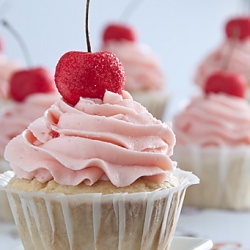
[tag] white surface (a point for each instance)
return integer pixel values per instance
(180, 243)
(188, 243)
(9, 237)
(229, 230)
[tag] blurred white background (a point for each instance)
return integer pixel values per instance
(179, 32)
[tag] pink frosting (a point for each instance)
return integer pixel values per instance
(142, 69)
(15, 117)
(116, 139)
(234, 54)
(213, 120)
(7, 67)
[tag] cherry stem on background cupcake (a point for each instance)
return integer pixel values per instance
(226, 61)
(87, 26)
(130, 9)
(20, 41)
(246, 5)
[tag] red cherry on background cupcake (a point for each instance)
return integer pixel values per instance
(85, 74)
(238, 28)
(119, 32)
(30, 81)
(226, 82)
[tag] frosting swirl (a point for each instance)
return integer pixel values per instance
(213, 120)
(113, 139)
(235, 54)
(15, 117)
(141, 66)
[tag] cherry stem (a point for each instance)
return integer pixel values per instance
(226, 61)
(247, 6)
(20, 41)
(130, 9)
(87, 26)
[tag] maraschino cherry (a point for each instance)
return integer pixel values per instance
(28, 81)
(86, 74)
(226, 82)
(119, 32)
(238, 28)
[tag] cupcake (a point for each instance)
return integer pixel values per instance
(233, 53)
(94, 172)
(145, 79)
(213, 141)
(31, 92)
(7, 68)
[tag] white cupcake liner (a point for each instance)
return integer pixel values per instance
(155, 101)
(5, 212)
(122, 221)
(224, 176)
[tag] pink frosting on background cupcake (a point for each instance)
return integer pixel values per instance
(15, 117)
(214, 120)
(143, 71)
(235, 55)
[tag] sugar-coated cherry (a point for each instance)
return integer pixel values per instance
(119, 32)
(230, 83)
(238, 28)
(85, 74)
(30, 81)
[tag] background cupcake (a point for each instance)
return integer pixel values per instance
(95, 170)
(145, 79)
(27, 91)
(31, 92)
(233, 54)
(213, 141)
